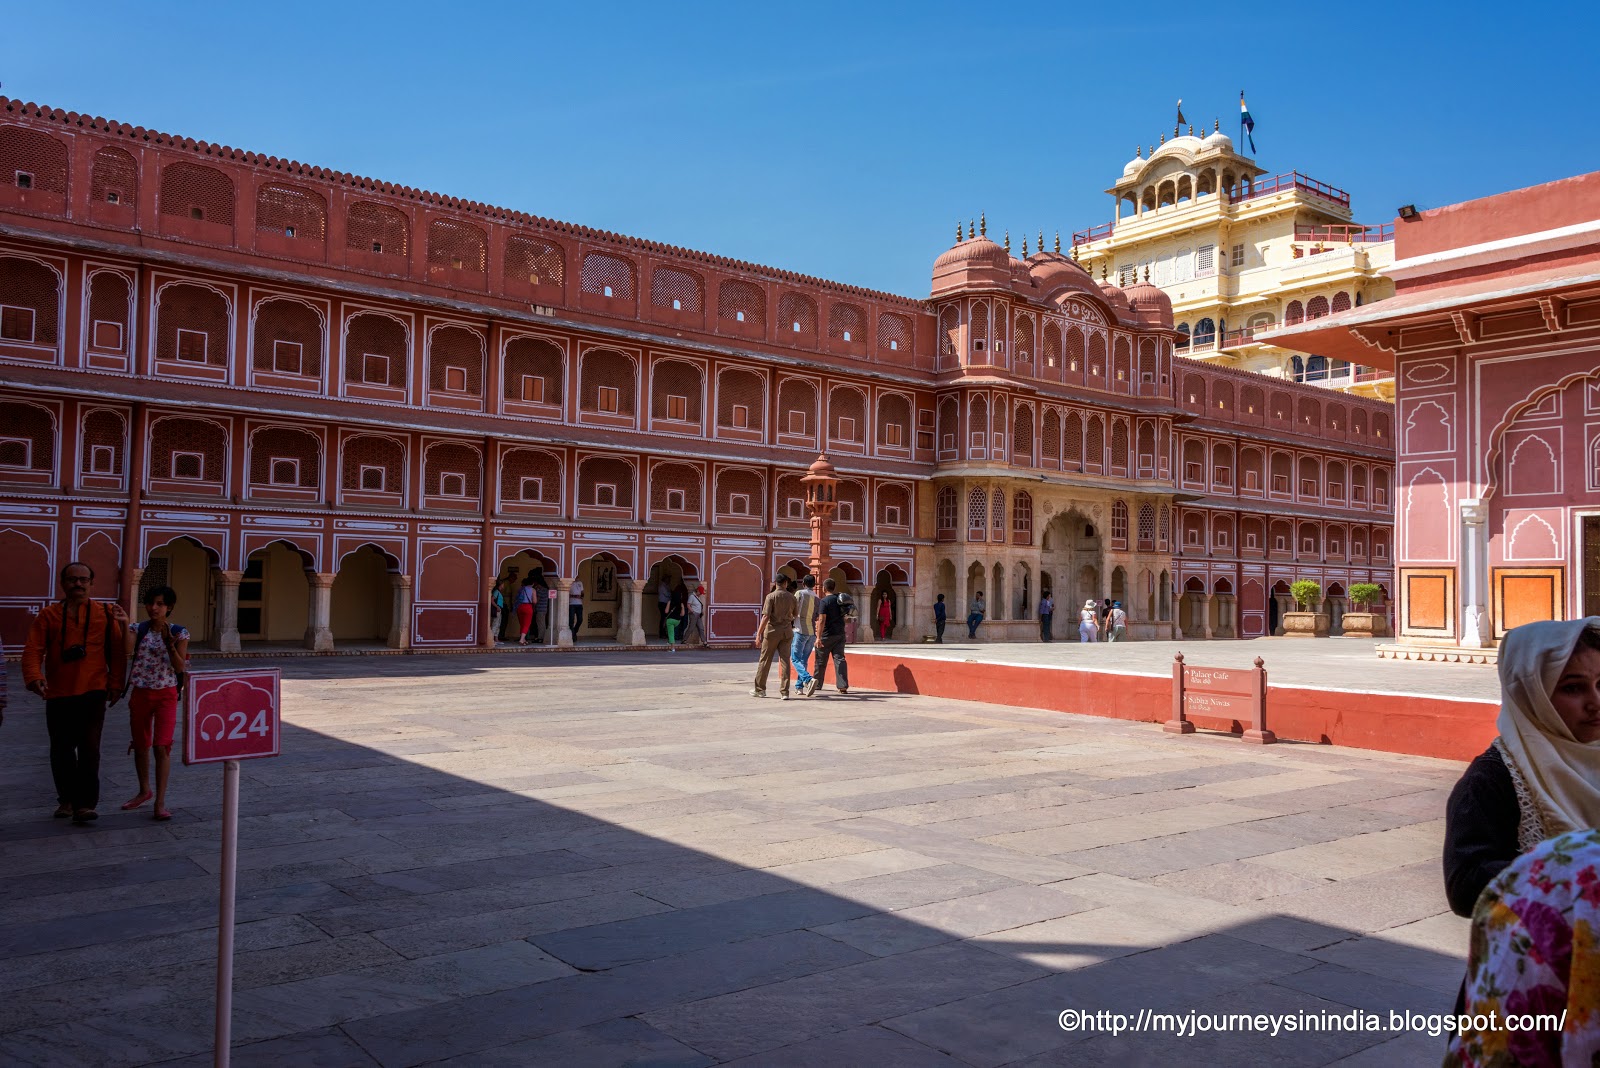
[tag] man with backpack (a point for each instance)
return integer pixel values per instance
(832, 612)
(158, 661)
(75, 659)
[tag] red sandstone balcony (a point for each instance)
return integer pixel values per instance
(1353, 233)
(1094, 233)
(1293, 180)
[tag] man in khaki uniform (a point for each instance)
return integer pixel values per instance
(774, 634)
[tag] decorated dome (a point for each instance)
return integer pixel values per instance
(1053, 272)
(1218, 140)
(1150, 303)
(1115, 297)
(975, 252)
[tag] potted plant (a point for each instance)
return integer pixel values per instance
(1307, 622)
(1365, 623)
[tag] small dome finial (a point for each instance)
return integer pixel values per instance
(983, 225)
(1058, 244)
(1105, 275)
(1191, 129)
(1041, 240)
(958, 232)
(1138, 152)
(1008, 240)
(1147, 274)
(1216, 125)
(1163, 139)
(1025, 246)
(970, 234)
(1074, 250)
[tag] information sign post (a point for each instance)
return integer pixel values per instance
(229, 716)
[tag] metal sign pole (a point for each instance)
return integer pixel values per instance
(230, 866)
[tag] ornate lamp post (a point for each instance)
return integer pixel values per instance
(822, 487)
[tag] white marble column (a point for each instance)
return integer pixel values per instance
(630, 628)
(866, 615)
(319, 630)
(1202, 604)
(563, 604)
(227, 622)
(1475, 630)
(400, 612)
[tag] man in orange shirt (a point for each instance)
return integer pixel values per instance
(75, 658)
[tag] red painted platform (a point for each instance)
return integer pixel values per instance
(1446, 727)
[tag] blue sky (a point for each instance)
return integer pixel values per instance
(837, 140)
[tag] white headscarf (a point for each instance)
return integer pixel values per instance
(1554, 772)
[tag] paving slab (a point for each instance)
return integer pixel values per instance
(585, 860)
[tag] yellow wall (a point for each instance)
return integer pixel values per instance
(363, 599)
(287, 594)
(189, 575)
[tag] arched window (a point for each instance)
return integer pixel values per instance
(797, 408)
(797, 316)
(1022, 519)
(847, 323)
(455, 361)
(29, 441)
(604, 275)
(530, 476)
(741, 400)
(376, 350)
(189, 450)
(894, 421)
(1022, 433)
(458, 246)
(847, 415)
(1119, 524)
(30, 299)
(675, 389)
(740, 492)
(1147, 527)
(977, 513)
(1294, 313)
(606, 383)
(534, 262)
(1341, 302)
(104, 443)
(742, 303)
(894, 333)
(193, 325)
(1119, 445)
(675, 487)
(287, 338)
(452, 469)
(1072, 456)
(535, 371)
(677, 290)
(605, 482)
(1205, 331)
(372, 463)
(1316, 307)
(378, 230)
(200, 194)
(292, 211)
(114, 178)
(893, 505)
(110, 300)
(949, 334)
(285, 457)
(945, 508)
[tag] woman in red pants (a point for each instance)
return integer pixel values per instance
(525, 595)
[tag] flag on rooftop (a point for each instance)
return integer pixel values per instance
(1246, 123)
(1180, 111)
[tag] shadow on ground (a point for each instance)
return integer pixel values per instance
(469, 861)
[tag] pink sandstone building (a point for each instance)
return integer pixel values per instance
(1494, 336)
(332, 410)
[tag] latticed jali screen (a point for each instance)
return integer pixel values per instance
(368, 451)
(452, 463)
(675, 487)
(741, 395)
(271, 445)
(675, 390)
(291, 210)
(602, 272)
(110, 296)
(609, 370)
(113, 178)
(742, 302)
(460, 349)
(190, 191)
(375, 228)
(536, 262)
(534, 370)
(372, 335)
(287, 338)
(172, 436)
(32, 160)
(31, 285)
(104, 438)
(678, 290)
(532, 476)
(19, 423)
(192, 308)
(457, 245)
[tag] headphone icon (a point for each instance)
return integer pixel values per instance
(205, 731)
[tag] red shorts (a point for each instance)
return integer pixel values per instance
(153, 716)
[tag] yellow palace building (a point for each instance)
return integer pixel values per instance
(1240, 251)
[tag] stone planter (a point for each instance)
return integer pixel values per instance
(1305, 624)
(1365, 625)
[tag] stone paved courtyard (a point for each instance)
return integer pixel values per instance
(623, 859)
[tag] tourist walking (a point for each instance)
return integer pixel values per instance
(938, 620)
(575, 608)
(774, 636)
(527, 597)
(1047, 611)
(694, 625)
(541, 609)
(497, 609)
(1105, 619)
(677, 614)
(832, 611)
(158, 655)
(1119, 623)
(805, 632)
(1088, 631)
(663, 599)
(885, 617)
(507, 587)
(975, 614)
(76, 659)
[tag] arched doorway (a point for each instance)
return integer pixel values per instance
(977, 582)
(362, 612)
(1071, 547)
(997, 593)
(1191, 606)
(884, 591)
(275, 595)
(603, 601)
(1119, 586)
(666, 578)
(513, 569)
(1335, 606)
(847, 577)
(1021, 591)
(1223, 610)
(185, 566)
(1277, 604)
(1164, 599)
